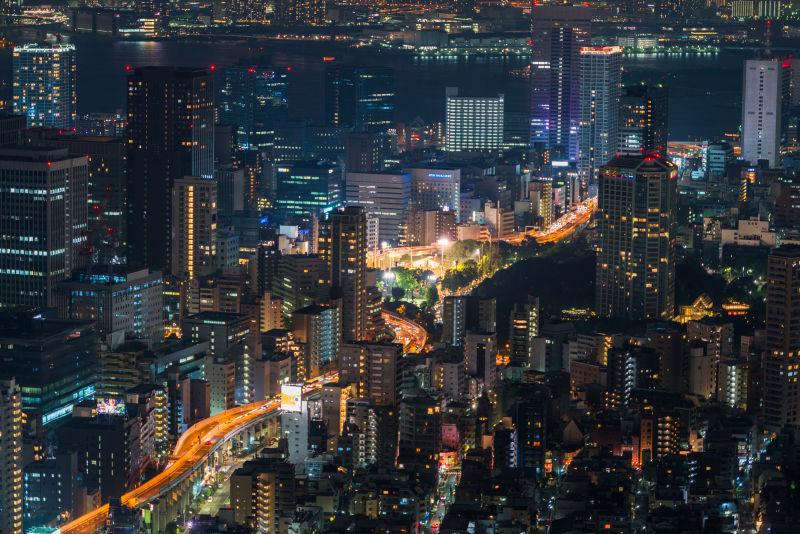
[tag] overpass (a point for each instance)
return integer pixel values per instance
(169, 494)
(411, 334)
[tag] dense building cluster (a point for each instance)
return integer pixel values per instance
(218, 314)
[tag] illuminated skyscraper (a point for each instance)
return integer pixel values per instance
(106, 165)
(43, 220)
(761, 110)
(473, 123)
(361, 98)
(194, 227)
(343, 246)
(115, 299)
(385, 197)
(781, 389)
(643, 119)
(601, 80)
(53, 361)
(558, 32)
(636, 247)
(436, 187)
(10, 458)
(170, 136)
(252, 97)
(306, 188)
(44, 84)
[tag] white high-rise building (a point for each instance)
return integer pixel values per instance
(601, 84)
(385, 196)
(761, 110)
(473, 123)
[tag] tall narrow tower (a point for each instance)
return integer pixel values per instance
(170, 136)
(761, 110)
(601, 81)
(557, 34)
(10, 458)
(343, 245)
(781, 403)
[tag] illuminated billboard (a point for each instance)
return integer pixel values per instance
(110, 405)
(291, 396)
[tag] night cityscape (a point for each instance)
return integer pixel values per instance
(458, 267)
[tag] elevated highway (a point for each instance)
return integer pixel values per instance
(411, 334)
(168, 494)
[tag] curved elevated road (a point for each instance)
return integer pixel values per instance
(191, 451)
(412, 335)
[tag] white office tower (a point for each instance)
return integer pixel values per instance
(473, 124)
(761, 110)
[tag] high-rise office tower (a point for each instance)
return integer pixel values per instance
(43, 220)
(106, 161)
(343, 246)
(761, 110)
(643, 119)
(252, 97)
(781, 390)
(558, 32)
(54, 361)
(363, 152)
(306, 188)
(10, 457)
(194, 227)
(44, 84)
(170, 136)
(635, 269)
(116, 299)
(309, 12)
(601, 80)
(361, 98)
(436, 188)
(384, 195)
(473, 123)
